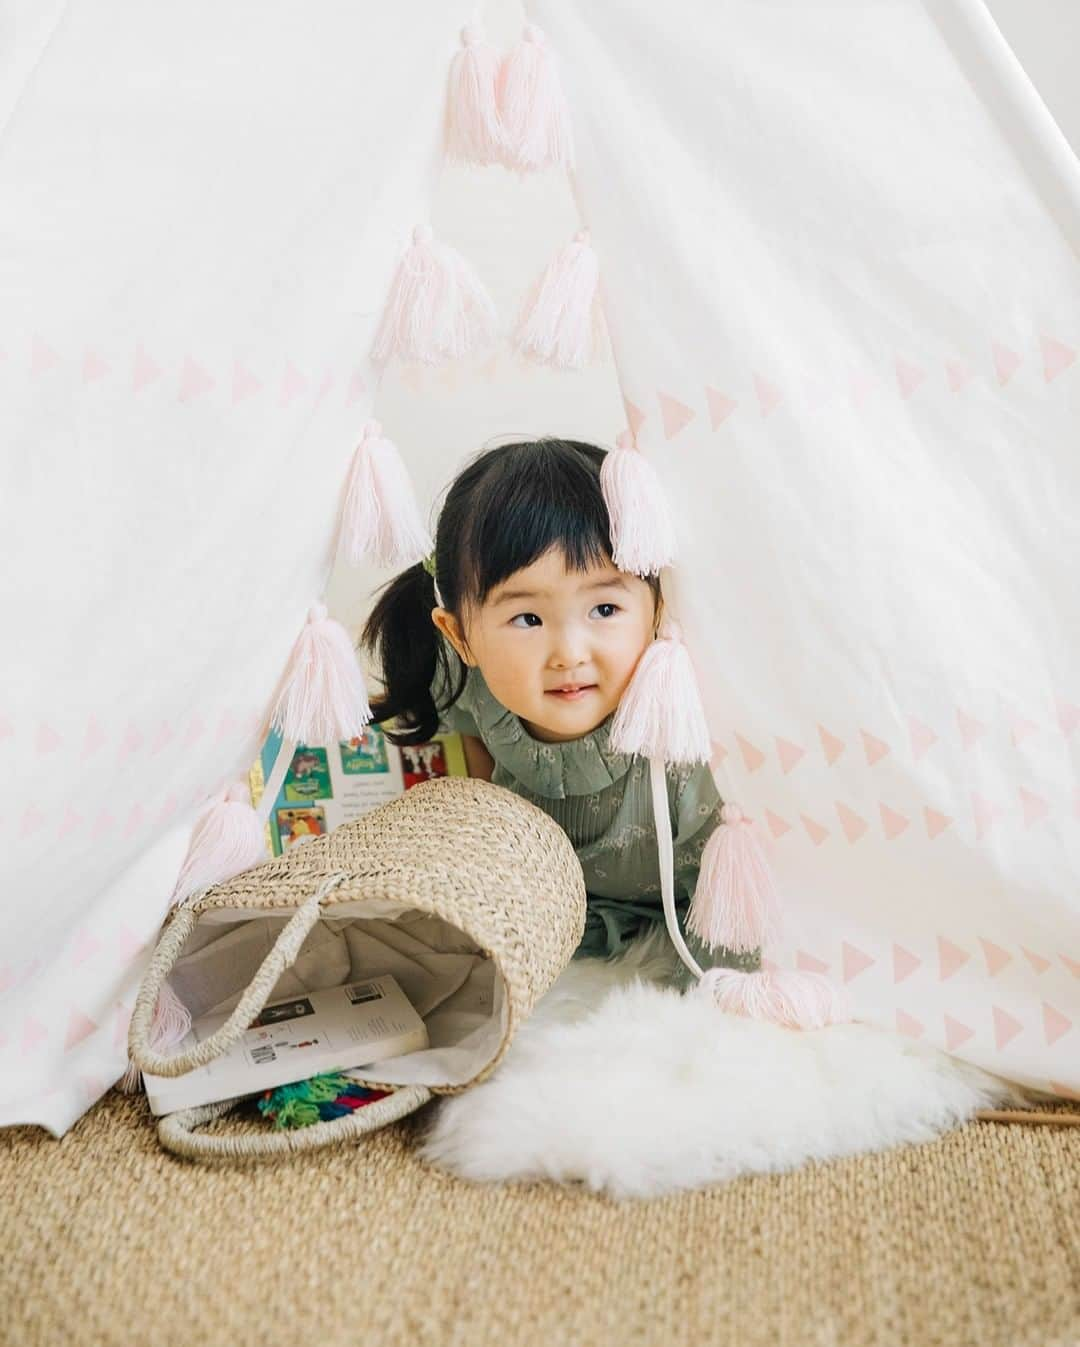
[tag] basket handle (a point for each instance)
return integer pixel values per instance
(176, 1131)
(282, 955)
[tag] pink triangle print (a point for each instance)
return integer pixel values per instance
(1068, 717)
(720, 407)
(85, 947)
(816, 833)
(1006, 362)
(830, 745)
(1022, 729)
(777, 826)
(807, 963)
(93, 367)
(1055, 1024)
(145, 370)
(293, 385)
(996, 957)
(909, 1026)
(854, 960)
(675, 415)
(163, 737)
(1035, 807)
(752, 756)
(130, 743)
(69, 822)
(47, 739)
(244, 383)
(971, 730)
(904, 963)
(922, 737)
(194, 381)
(32, 819)
(635, 417)
(79, 1027)
(94, 737)
(951, 958)
(874, 748)
(908, 376)
(985, 813)
(790, 754)
(1006, 1027)
(958, 375)
(854, 825)
(1038, 963)
(956, 1033)
(1057, 357)
(1073, 965)
(42, 357)
(768, 395)
(892, 823)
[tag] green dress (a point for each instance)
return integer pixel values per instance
(602, 801)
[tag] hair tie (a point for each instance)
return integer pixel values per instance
(428, 564)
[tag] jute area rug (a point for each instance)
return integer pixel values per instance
(973, 1239)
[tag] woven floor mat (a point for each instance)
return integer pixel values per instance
(971, 1239)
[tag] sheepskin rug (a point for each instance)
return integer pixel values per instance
(620, 1082)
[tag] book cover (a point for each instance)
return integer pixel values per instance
(327, 785)
(336, 1029)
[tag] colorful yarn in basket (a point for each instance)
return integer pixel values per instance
(318, 1099)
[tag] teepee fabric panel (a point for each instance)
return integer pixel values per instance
(201, 210)
(838, 254)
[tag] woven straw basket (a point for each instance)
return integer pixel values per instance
(472, 897)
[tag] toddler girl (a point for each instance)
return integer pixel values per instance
(521, 634)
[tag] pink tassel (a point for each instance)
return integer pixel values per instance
(793, 1000)
(532, 107)
(228, 838)
(170, 1026)
(660, 713)
(437, 309)
(322, 695)
(381, 518)
(563, 323)
(642, 534)
(473, 131)
(734, 903)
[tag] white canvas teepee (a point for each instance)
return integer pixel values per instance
(838, 259)
(839, 250)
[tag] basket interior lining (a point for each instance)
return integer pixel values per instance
(451, 982)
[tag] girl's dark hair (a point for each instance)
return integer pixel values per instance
(508, 507)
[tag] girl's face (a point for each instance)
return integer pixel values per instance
(546, 627)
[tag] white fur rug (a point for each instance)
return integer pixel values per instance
(620, 1082)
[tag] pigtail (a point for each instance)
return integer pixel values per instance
(413, 657)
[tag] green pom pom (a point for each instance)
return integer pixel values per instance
(297, 1105)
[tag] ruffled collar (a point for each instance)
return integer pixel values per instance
(577, 767)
